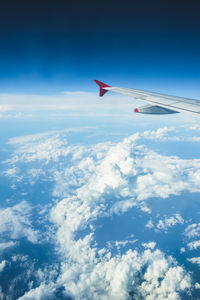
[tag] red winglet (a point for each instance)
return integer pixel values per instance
(102, 86)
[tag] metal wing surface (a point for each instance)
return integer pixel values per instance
(159, 103)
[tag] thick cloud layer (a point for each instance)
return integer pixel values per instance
(100, 181)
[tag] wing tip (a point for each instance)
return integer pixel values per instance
(101, 85)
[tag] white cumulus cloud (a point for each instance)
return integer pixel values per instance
(168, 222)
(14, 222)
(194, 260)
(192, 230)
(194, 245)
(42, 292)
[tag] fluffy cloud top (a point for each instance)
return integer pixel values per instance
(43, 292)
(15, 223)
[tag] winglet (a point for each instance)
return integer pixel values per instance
(102, 86)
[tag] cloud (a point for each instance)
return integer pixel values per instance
(173, 282)
(42, 292)
(101, 180)
(91, 274)
(182, 250)
(120, 244)
(46, 147)
(194, 245)
(126, 171)
(2, 265)
(169, 222)
(166, 134)
(5, 108)
(1, 293)
(11, 172)
(15, 223)
(4, 246)
(46, 150)
(150, 245)
(149, 224)
(194, 260)
(72, 102)
(166, 222)
(192, 230)
(197, 285)
(159, 134)
(194, 127)
(86, 269)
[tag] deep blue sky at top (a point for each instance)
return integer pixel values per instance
(62, 45)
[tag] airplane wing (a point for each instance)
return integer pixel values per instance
(158, 103)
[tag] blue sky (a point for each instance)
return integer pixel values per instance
(47, 47)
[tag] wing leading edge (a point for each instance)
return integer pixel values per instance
(159, 103)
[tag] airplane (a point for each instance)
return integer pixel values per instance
(159, 103)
